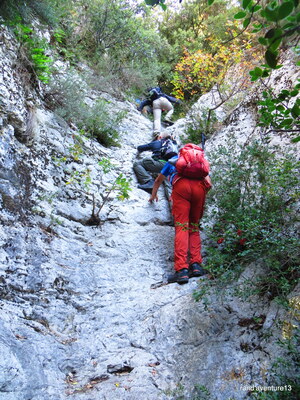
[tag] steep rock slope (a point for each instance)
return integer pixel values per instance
(82, 311)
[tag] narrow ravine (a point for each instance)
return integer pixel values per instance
(79, 310)
(83, 311)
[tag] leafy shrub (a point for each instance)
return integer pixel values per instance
(67, 97)
(33, 52)
(198, 126)
(254, 200)
(278, 20)
(118, 44)
(123, 49)
(278, 24)
(101, 124)
(25, 10)
(284, 372)
(81, 180)
(198, 72)
(281, 112)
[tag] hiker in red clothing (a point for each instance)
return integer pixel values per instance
(188, 199)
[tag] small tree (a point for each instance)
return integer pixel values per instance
(81, 180)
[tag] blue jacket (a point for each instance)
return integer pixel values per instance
(154, 146)
(169, 169)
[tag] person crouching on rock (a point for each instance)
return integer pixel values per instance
(151, 164)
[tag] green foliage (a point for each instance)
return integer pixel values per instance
(34, 49)
(113, 38)
(201, 22)
(199, 124)
(109, 36)
(81, 180)
(277, 20)
(192, 30)
(59, 35)
(50, 12)
(121, 186)
(202, 393)
(199, 392)
(100, 123)
(98, 120)
(203, 49)
(20, 14)
(285, 372)
(24, 11)
(153, 3)
(281, 112)
(106, 164)
(254, 201)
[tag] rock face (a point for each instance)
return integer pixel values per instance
(83, 313)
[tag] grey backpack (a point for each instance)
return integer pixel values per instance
(168, 149)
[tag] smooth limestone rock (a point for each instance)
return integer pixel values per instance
(83, 310)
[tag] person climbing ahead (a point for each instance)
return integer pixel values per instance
(145, 167)
(159, 101)
(188, 199)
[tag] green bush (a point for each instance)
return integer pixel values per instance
(66, 96)
(278, 25)
(284, 372)
(254, 198)
(124, 50)
(25, 10)
(281, 112)
(118, 44)
(32, 52)
(101, 124)
(198, 125)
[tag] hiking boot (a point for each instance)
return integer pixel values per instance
(196, 269)
(147, 186)
(182, 276)
(172, 278)
(168, 121)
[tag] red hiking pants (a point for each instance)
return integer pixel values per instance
(188, 198)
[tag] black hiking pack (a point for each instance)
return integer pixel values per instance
(168, 149)
(155, 93)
